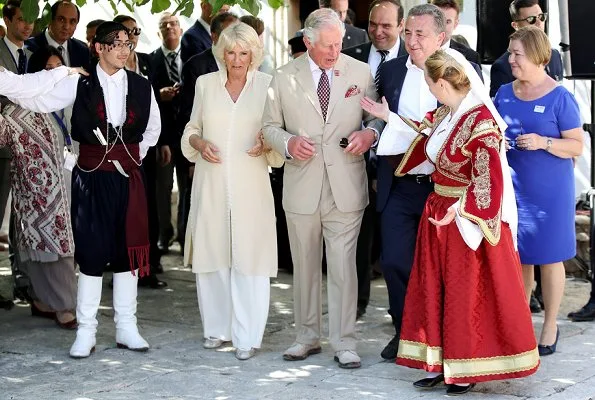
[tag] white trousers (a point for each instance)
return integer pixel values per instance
(233, 306)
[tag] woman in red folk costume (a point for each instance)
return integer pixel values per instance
(466, 319)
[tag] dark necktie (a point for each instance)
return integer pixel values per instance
(324, 93)
(22, 62)
(383, 54)
(174, 74)
(61, 50)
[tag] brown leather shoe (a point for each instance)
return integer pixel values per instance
(36, 312)
(300, 351)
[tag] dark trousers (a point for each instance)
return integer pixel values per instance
(283, 250)
(184, 191)
(99, 203)
(150, 169)
(398, 224)
(363, 258)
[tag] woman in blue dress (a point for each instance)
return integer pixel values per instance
(544, 134)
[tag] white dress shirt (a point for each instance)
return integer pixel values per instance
(115, 88)
(55, 44)
(13, 50)
(374, 57)
(205, 24)
(317, 73)
(415, 101)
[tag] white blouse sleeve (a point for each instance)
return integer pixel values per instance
(396, 137)
(30, 85)
(151, 135)
(62, 95)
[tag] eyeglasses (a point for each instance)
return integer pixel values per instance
(134, 31)
(119, 45)
(533, 18)
(165, 25)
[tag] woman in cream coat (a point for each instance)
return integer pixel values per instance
(231, 239)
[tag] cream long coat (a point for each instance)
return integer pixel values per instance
(232, 214)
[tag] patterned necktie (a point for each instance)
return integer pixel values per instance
(22, 62)
(324, 92)
(174, 74)
(383, 54)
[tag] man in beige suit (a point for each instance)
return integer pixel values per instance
(313, 106)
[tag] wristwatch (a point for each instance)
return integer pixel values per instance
(548, 145)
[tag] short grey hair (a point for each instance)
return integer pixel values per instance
(319, 19)
(433, 11)
(244, 36)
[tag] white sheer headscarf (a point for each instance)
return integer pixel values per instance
(480, 91)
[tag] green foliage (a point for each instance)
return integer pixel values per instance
(31, 8)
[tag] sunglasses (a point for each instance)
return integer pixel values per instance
(533, 19)
(134, 31)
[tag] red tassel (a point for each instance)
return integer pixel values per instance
(139, 259)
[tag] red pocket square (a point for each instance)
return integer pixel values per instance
(352, 91)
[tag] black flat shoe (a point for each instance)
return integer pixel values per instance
(152, 282)
(587, 313)
(428, 383)
(456, 390)
(390, 351)
(36, 312)
(546, 350)
(534, 305)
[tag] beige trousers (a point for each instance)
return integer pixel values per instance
(339, 231)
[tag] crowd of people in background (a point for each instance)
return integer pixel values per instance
(386, 149)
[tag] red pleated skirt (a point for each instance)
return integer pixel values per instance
(465, 311)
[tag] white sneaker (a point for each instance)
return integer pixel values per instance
(245, 354)
(212, 343)
(348, 359)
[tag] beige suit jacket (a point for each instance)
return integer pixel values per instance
(293, 108)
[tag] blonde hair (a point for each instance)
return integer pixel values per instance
(535, 43)
(441, 65)
(242, 35)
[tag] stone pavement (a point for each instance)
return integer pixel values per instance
(34, 362)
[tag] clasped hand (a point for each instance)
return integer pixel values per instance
(260, 147)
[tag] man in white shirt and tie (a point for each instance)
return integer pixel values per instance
(384, 29)
(65, 17)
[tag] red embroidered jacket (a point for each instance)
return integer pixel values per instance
(469, 159)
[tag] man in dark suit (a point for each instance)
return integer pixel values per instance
(523, 13)
(200, 64)
(64, 19)
(167, 76)
(353, 36)
(451, 10)
(198, 38)
(400, 201)
(13, 57)
(384, 29)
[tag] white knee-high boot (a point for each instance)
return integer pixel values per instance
(87, 304)
(125, 291)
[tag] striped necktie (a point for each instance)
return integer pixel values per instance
(383, 54)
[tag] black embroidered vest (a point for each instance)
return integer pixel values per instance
(89, 110)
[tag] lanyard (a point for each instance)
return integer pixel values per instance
(60, 122)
